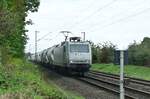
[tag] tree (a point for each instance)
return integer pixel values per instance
(12, 25)
(107, 52)
(103, 52)
(139, 54)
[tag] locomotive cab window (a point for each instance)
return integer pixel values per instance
(79, 48)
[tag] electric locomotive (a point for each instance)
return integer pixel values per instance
(73, 55)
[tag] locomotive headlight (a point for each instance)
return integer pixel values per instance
(71, 61)
(88, 61)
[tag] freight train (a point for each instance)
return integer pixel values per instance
(73, 55)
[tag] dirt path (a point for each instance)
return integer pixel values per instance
(76, 86)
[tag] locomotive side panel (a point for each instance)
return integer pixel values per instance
(58, 56)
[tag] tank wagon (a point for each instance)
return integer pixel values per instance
(73, 55)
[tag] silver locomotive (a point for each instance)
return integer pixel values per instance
(73, 55)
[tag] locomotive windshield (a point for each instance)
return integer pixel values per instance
(79, 48)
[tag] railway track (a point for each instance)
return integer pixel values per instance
(111, 83)
(129, 79)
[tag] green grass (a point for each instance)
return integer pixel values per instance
(22, 79)
(130, 70)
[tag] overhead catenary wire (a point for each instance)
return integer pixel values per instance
(44, 36)
(125, 18)
(55, 36)
(120, 13)
(89, 6)
(93, 13)
(51, 39)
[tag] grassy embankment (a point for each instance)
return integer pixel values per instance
(130, 70)
(25, 81)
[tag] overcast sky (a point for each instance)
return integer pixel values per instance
(118, 21)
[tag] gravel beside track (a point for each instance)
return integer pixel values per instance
(78, 87)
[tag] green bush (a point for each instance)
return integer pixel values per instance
(26, 81)
(103, 52)
(139, 54)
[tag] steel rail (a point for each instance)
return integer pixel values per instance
(131, 79)
(104, 87)
(105, 79)
(126, 87)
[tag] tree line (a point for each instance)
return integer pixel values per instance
(13, 36)
(138, 53)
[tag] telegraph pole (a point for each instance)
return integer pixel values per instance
(36, 40)
(83, 36)
(121, 74)
(36, 44)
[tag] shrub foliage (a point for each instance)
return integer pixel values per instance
(138, 54)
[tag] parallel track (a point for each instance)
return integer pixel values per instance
(130, 79)
(111, 83)
(100, 85)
